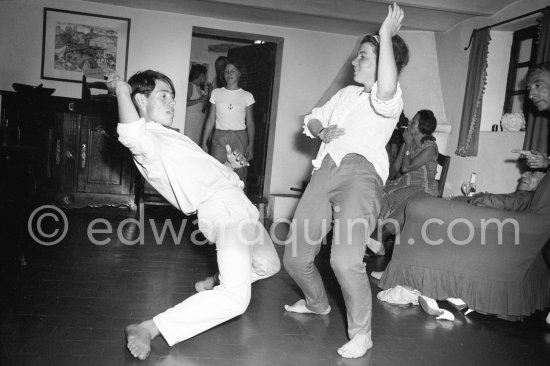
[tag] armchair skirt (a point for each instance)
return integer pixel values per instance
(489, 258)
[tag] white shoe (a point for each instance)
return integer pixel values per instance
(377, 275)
(430, 306)
(457, 303)
(548, 319)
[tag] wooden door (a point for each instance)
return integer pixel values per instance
(259, 61)
(104, 165)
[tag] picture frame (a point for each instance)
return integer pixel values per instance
(74, 42)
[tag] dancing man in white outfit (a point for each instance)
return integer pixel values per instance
(192, 181)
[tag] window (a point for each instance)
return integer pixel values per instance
(522, 56)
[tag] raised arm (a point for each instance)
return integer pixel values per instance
(127, 112)
(387, 70)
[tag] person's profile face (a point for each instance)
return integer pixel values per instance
(413, 124)
(160, 104)
(538, 85)
(364, 65)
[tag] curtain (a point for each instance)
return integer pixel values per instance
(475, 86)
(536, 134)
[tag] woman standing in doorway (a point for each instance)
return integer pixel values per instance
(232, 115)
(196, 100)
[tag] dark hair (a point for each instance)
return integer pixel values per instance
(400, 49)
(426, 124)
(196, 71)
(239, 65)
(220, 80)
(144, 82)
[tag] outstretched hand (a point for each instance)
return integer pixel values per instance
(235, 159)
(392, 23)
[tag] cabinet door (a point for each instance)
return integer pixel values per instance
(65, 150)
(104, 165)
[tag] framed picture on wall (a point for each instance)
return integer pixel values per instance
(74, 42)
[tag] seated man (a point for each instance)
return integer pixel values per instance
(192, 181)
(517, 201)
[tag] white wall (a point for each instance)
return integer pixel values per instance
(420, 78)
(453, 65)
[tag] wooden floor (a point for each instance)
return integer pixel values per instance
(70, 303)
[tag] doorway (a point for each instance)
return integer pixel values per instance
(262, 56)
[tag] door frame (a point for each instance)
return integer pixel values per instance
(279, 41)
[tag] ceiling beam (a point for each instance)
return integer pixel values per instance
(353, 17)
(470, 7)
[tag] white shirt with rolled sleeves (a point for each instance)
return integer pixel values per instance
(174, 165)
(368, 122)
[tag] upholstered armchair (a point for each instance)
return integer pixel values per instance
(490, 258)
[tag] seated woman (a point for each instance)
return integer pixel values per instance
(416, 166)
(413, 173)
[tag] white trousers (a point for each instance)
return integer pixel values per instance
(245, 253)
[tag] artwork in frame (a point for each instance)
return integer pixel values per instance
(74, 42)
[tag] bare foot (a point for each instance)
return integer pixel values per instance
(300, 307)
(208, 283)
(357, 347)
(138, 341)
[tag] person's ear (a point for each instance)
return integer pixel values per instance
(141, 99)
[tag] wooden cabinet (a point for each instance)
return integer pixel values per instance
(91, 167)
(84, 163)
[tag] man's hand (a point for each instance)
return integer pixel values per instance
(114, 83)
(537, 160)
(235, 159)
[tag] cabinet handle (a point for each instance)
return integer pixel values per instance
(83, 156)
